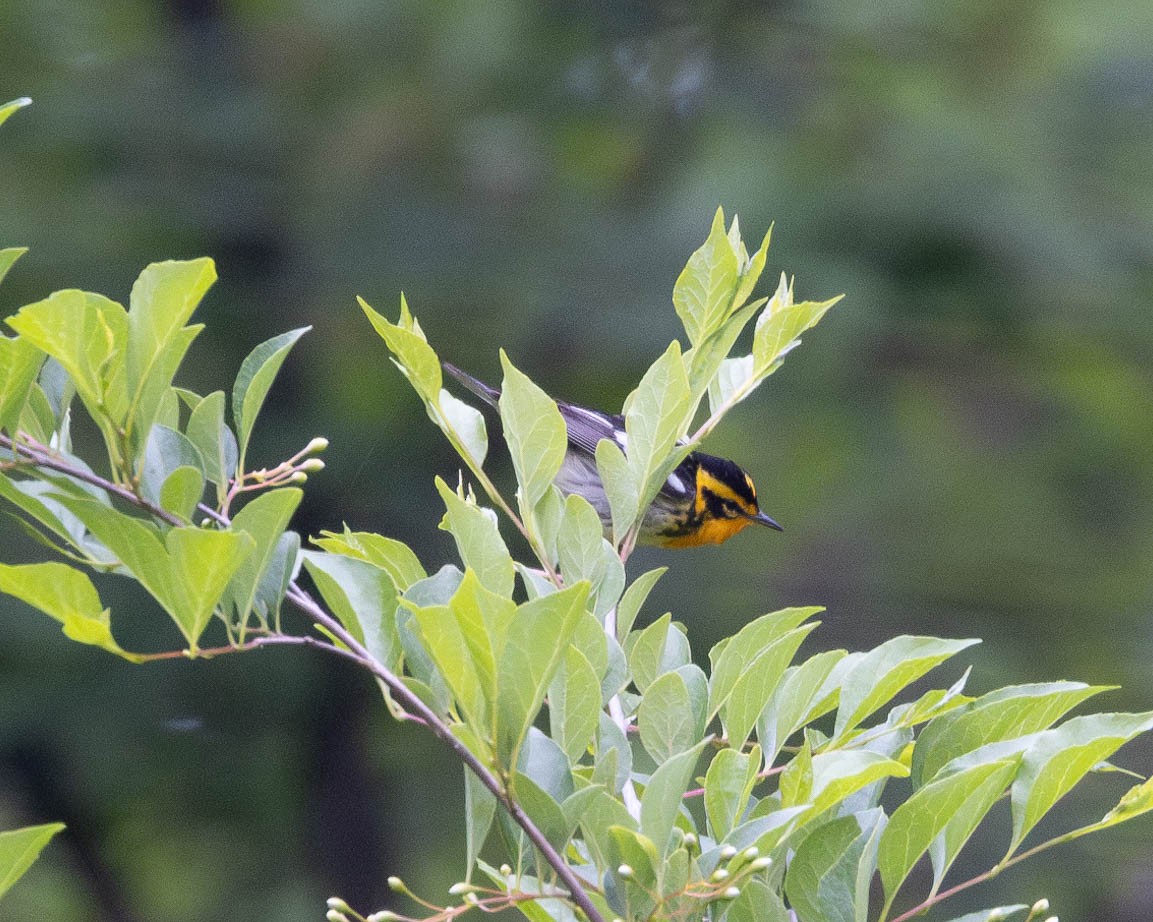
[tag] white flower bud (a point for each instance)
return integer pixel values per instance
(626, 871)
(759, 864)
(718, 875)
(728, 852)
(1042, 905)
(316, 445)
(335, 902)
(312, 465)
(731, 893)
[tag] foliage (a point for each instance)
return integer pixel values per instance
(655, 788)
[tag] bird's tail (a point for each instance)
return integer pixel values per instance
(489, 395)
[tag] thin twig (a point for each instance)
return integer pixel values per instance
(354, 651)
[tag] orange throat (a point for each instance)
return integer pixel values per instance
(711, 531)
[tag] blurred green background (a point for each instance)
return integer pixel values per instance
(962, 448)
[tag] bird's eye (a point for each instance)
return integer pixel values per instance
(731, 510)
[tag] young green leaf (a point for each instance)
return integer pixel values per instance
(362, 596)
(667, 720)
(264, 520)
(216, 443)
(958, 801)
(253, 381)
(574, 702)
(1059, 758)
(661, 800)
(1017, 710)
(163, 298)
(703, 293)
(479, 810)
(9, 255)
(468, 424)
(535, 432)
(442, 637)
(655, 420)
(7, 111)
(757, 903)
(395, 557)
(659, 648)
(795, 702)
(756, 685)
(66, 595)
(20, 360)
(621, 487)
(635, 595)
(166, 451)
(828, 878)
(728, 786)
(411, 351)
(884, 671)
(478, 540)
(20, 847)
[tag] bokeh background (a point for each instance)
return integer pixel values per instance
(961, 448)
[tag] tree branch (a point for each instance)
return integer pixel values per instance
(353, 650)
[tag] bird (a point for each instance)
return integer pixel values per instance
(705, 500)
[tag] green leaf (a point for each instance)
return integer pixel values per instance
(756, 685)
(621, 487)
(535, 432)
(798, 698)
(733, 657)
(574, 701)
(478, 540)
(163, 298)
(667, 720)
(757, 903)
(752, 268)
(443, 639)
(66, 595)
(635, 595)
(362, 596)
(181, 491)
(9, 255)
(1002, 714)
(1059, 758)
(484, 619)
(264, 520)
(958, 801)
(479, 810)
(884, 671)
(659, 648)
(395, 557)
(1137, 801)
(661, 800)
(777, 333)
(828, 877)
(538, 635)
(830, 777)
(703, 293)
(7, 111)
(87, 334)
(655, 420)
(413, 355)
(166, 451)
(216, 443)
(468, 424)
(583, 553)
(253, 381)
(20, 847)
(728, 786)
(20, 360)
(185, 569)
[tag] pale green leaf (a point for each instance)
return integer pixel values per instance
(666, 719)
(9, 255)
(633, 598)
(757, 903)
(20, 360)
(474, 529)
(884, 671)
(574, 702)
(163, 298)
(393, 556)
(1059, 758)
(962, 798)
(1017, 710)
(362, 597)
(216, 443)
(181, 491)
(621, 487)
(468, 424)
(777, 334)
(254, 380)
(828, 877)
(661, 800)
(756, 684)
(20, 847)
(66, 595)
(7, 111)
(703, 293)
(728, 786)
(796, 701)
(165, 451)
(655, 420)
(413, 355)
(264, 520)
(534, 431)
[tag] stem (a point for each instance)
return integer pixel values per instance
(352, 650)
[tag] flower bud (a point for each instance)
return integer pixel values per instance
(298, 477)
(718, 875)
(396, 885)
(1042, 905)
(731, 893)
(461, 887)
(318, 444)
(383, 915)
(750, 853)
(626, 871)
(312, 465)
(728, 852)
(335, 902)
(334, 916)
(505, 870)
(759, 864)
(691, 840)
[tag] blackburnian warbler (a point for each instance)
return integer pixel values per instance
(706, 500)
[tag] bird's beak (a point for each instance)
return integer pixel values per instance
(761, 519)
